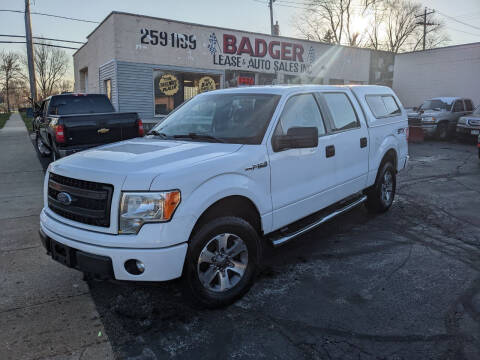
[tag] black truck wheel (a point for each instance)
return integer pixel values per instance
(442, 131)
(380, 196)
(42, 149)
(221, 262)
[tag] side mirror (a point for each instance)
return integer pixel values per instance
(296, 138)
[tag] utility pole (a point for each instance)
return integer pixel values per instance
(270, 5)
(425, 24)
(31, 63)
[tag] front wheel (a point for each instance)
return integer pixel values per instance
(380, 196)
(442, 131)
(221, 262)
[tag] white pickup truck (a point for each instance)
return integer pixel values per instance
(226, 173)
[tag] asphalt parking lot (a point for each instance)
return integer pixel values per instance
(402, 285)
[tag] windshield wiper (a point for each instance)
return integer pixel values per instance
(156, 133)
(198, 136)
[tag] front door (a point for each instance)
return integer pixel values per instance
(299, 176)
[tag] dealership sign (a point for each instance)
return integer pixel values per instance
(235, 51)
(249, 53)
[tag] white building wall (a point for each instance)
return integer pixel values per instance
(448, 71)
(97, 51)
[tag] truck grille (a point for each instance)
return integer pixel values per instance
(84, 201)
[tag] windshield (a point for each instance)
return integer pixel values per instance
(233, 118)
(82, 104)
(435, 105)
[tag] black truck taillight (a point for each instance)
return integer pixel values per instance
(59, 134)
(141, 132)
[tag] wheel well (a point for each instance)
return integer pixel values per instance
(390, 155)
(231, 206)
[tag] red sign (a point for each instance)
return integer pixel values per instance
(246, 80)
(276, 49)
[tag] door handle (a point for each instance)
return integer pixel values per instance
(330, 151)
(363, 142)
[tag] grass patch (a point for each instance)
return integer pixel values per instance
(3, 119)
(27, 120)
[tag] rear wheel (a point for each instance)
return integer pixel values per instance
(380, 196)
(221, 262)
(43, 150)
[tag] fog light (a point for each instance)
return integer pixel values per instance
(134, 267)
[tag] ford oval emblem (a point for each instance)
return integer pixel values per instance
(64, 198)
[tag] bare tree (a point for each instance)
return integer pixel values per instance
(435, 35)
(392, 24)
(9, 71)
(65, 86)
(375, 26)
(51, 65)
(332, 17)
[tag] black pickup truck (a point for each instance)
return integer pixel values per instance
(68, 123)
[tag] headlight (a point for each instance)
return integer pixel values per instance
(138, 208)
(428, 119)
(472, 122)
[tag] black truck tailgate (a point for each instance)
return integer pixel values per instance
(99, 128)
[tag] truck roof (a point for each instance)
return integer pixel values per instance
(285, 89)
(447, 99)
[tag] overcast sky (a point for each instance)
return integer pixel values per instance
(251, 15)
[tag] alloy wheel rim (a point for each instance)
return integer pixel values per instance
(222, 262)
(387, 188)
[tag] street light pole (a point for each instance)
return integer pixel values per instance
(31, 63)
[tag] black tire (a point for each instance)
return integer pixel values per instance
(376, 199)
(210, 295)
(443, 131)
(40, 146)
(53, 155)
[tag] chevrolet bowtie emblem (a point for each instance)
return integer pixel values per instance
(103, 130)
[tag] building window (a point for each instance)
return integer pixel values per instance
(173, 88)
(303, 79)
(108, 88)
(336, 82)
(239, 78)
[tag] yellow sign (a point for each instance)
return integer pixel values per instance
(206, 83)
(168, 84)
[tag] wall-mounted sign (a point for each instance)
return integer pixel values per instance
(206, 83)
(168, 84)
(252, 53)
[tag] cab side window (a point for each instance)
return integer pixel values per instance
(342, 112)
(458, 106)
(468, 105)
(300, 111)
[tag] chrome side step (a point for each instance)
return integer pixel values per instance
(282, 239)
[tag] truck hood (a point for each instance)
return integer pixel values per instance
(135, 163)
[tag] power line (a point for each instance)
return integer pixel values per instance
(458, 21)
(51, 15)
(43, 38)
(42, 44)
(465, 32)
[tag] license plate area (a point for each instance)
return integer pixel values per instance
(63, 254)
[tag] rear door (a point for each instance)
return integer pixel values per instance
(349, 138)
(300, 177)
